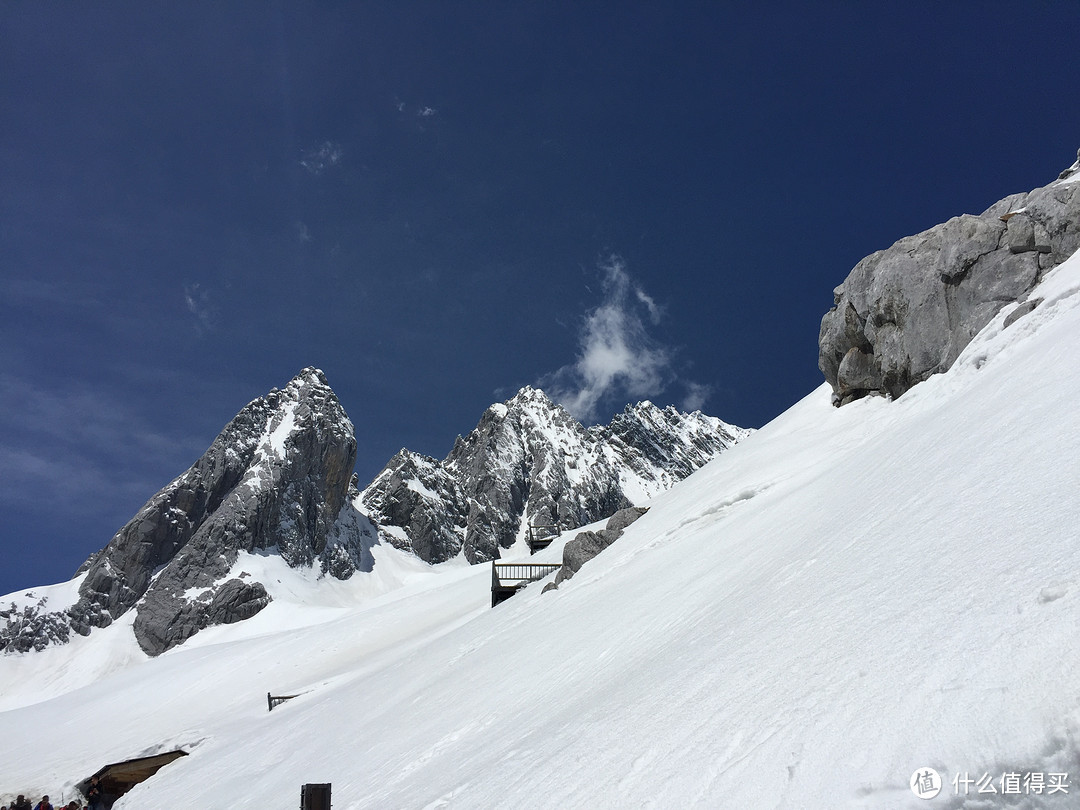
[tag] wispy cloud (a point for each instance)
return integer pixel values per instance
(199, 304)
(696, 395)
(79, 450)
(419, 110)
(617, 356)
(324, 156)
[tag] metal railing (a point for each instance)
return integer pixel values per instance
(541, 535)
(507, 578)
(276, 700)
(518, 574)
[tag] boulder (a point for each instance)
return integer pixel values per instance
(588, 544)
(907, 312)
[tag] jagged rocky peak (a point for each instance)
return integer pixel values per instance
(418, 505)
(528, 462)
(276, 479)
(664, 445)
(907, 312)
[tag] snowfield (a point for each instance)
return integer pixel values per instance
(845, 597)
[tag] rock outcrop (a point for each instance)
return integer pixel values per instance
(277, 480)
(32, 626)
(530, 463)
(907, 312)
(587, 545)
(419, 506)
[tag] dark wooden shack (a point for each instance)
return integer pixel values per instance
(119, 777)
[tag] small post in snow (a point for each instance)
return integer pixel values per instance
(315, 797)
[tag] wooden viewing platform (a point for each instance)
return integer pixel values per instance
(540, 536)
(508, 578)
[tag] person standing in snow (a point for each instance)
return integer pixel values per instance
(93, 795)
(44, 804)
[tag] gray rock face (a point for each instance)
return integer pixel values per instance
(587, 545)
(32, 627)
(419, 506)
(528, 462)
(663, 446)
(276, 480)
(529, 458)
(907, 312)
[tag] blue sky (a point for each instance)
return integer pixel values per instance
(437, 203)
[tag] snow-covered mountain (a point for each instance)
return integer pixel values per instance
(843, 601)
(277, 481)
(530, 463)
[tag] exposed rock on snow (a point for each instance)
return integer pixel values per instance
(529, 462)
(660, 447)
(417, 494)
(532, 459)
(907, 312)
(587, 545)
(276, 479)
(32, 627)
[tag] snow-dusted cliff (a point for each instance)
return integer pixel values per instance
(530, 463)
(275, 480)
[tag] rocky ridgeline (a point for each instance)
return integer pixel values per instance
(277, 478)
(907, 312)
(658, 447)
(530, 463)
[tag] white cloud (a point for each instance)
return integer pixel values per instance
(322, 157)
(655, 313)
(695, 397)
(618, 359)
(198, 303)
(617, 356)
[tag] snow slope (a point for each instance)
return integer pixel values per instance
(842, 598)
